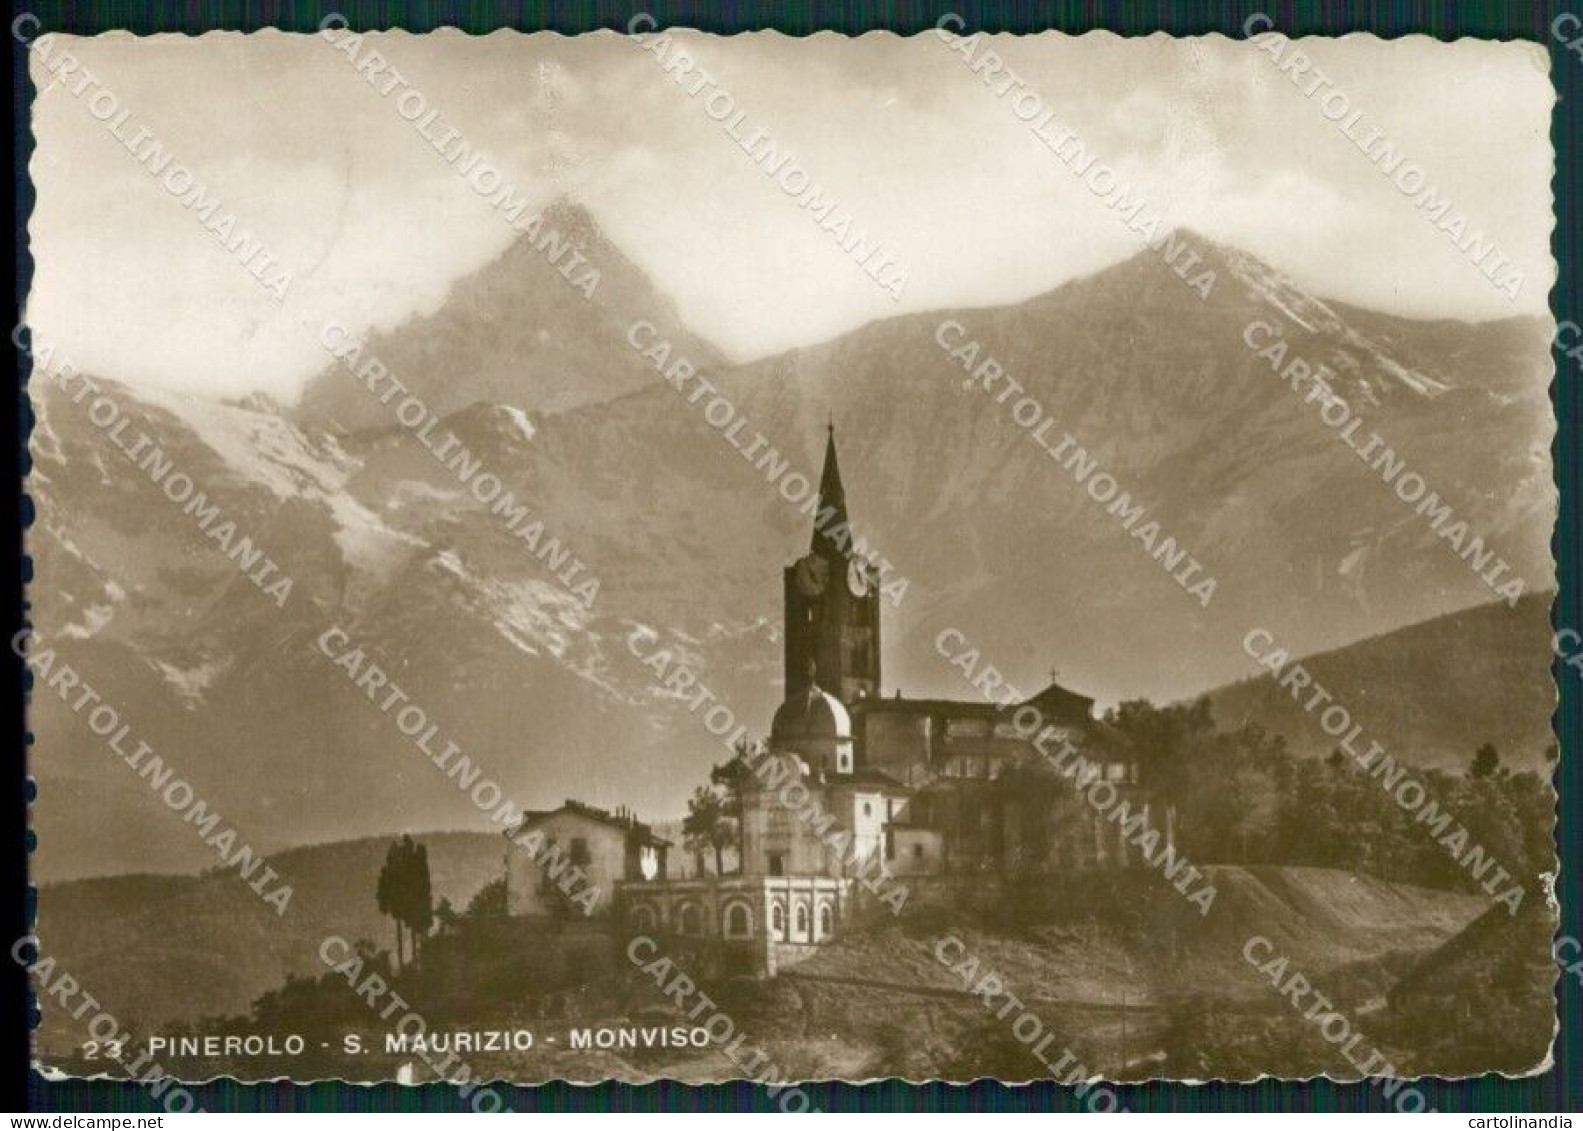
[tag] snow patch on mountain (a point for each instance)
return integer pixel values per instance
(94, 617)
(536, 617)
(1317, 317)
(259, 448)
(1417, 382)
(1266, 283)
(365, 542)
(516, 416)
(44, 443)
(190, 683)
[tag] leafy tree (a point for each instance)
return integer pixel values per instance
(446, 920)
(389, 895)
(1169, 741)
(1254, 803)
(1241, 797)
(731, 775)
(489, 905)
(729, 779)
(419, 907)
(404, 893)
(709, 824)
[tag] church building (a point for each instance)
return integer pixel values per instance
(856, 795)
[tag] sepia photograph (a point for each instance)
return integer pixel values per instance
(652, 555)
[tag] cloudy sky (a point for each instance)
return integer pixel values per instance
(375, 226)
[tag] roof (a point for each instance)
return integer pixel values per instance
(1055, 703)
(811, 714)
(621, 819)
(864, 775)
(832, 500)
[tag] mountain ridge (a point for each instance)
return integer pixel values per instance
(688, 539)
(1440, 724)
(492, 326)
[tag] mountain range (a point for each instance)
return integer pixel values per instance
(687, 539)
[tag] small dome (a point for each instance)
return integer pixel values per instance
(812, 714)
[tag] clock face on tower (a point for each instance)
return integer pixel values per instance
(857, 577)
(812, 573)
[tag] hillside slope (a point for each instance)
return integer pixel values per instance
(1482, 1001)
(157, 949)
(1431, 693)
(1110, 951)
(164, 949)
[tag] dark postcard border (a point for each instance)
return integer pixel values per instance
(1561, 1089)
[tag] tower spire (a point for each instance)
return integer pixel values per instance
(831, 516)
(832, 608)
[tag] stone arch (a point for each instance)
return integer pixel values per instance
(644, 918)
(690, 919)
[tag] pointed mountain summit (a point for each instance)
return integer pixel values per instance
(541, 327)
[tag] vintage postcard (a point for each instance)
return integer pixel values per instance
(661, 555)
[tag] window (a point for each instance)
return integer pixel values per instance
(917, 852)
(826, 926)
(801, 919)
(777, 864)
(580, 850)
(890, 844)
(691, 921)
(643, 918)
(778, 921)
(868, 809)
(738, 924)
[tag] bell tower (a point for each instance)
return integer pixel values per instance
(832, 603)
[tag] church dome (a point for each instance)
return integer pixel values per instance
(812, 714)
